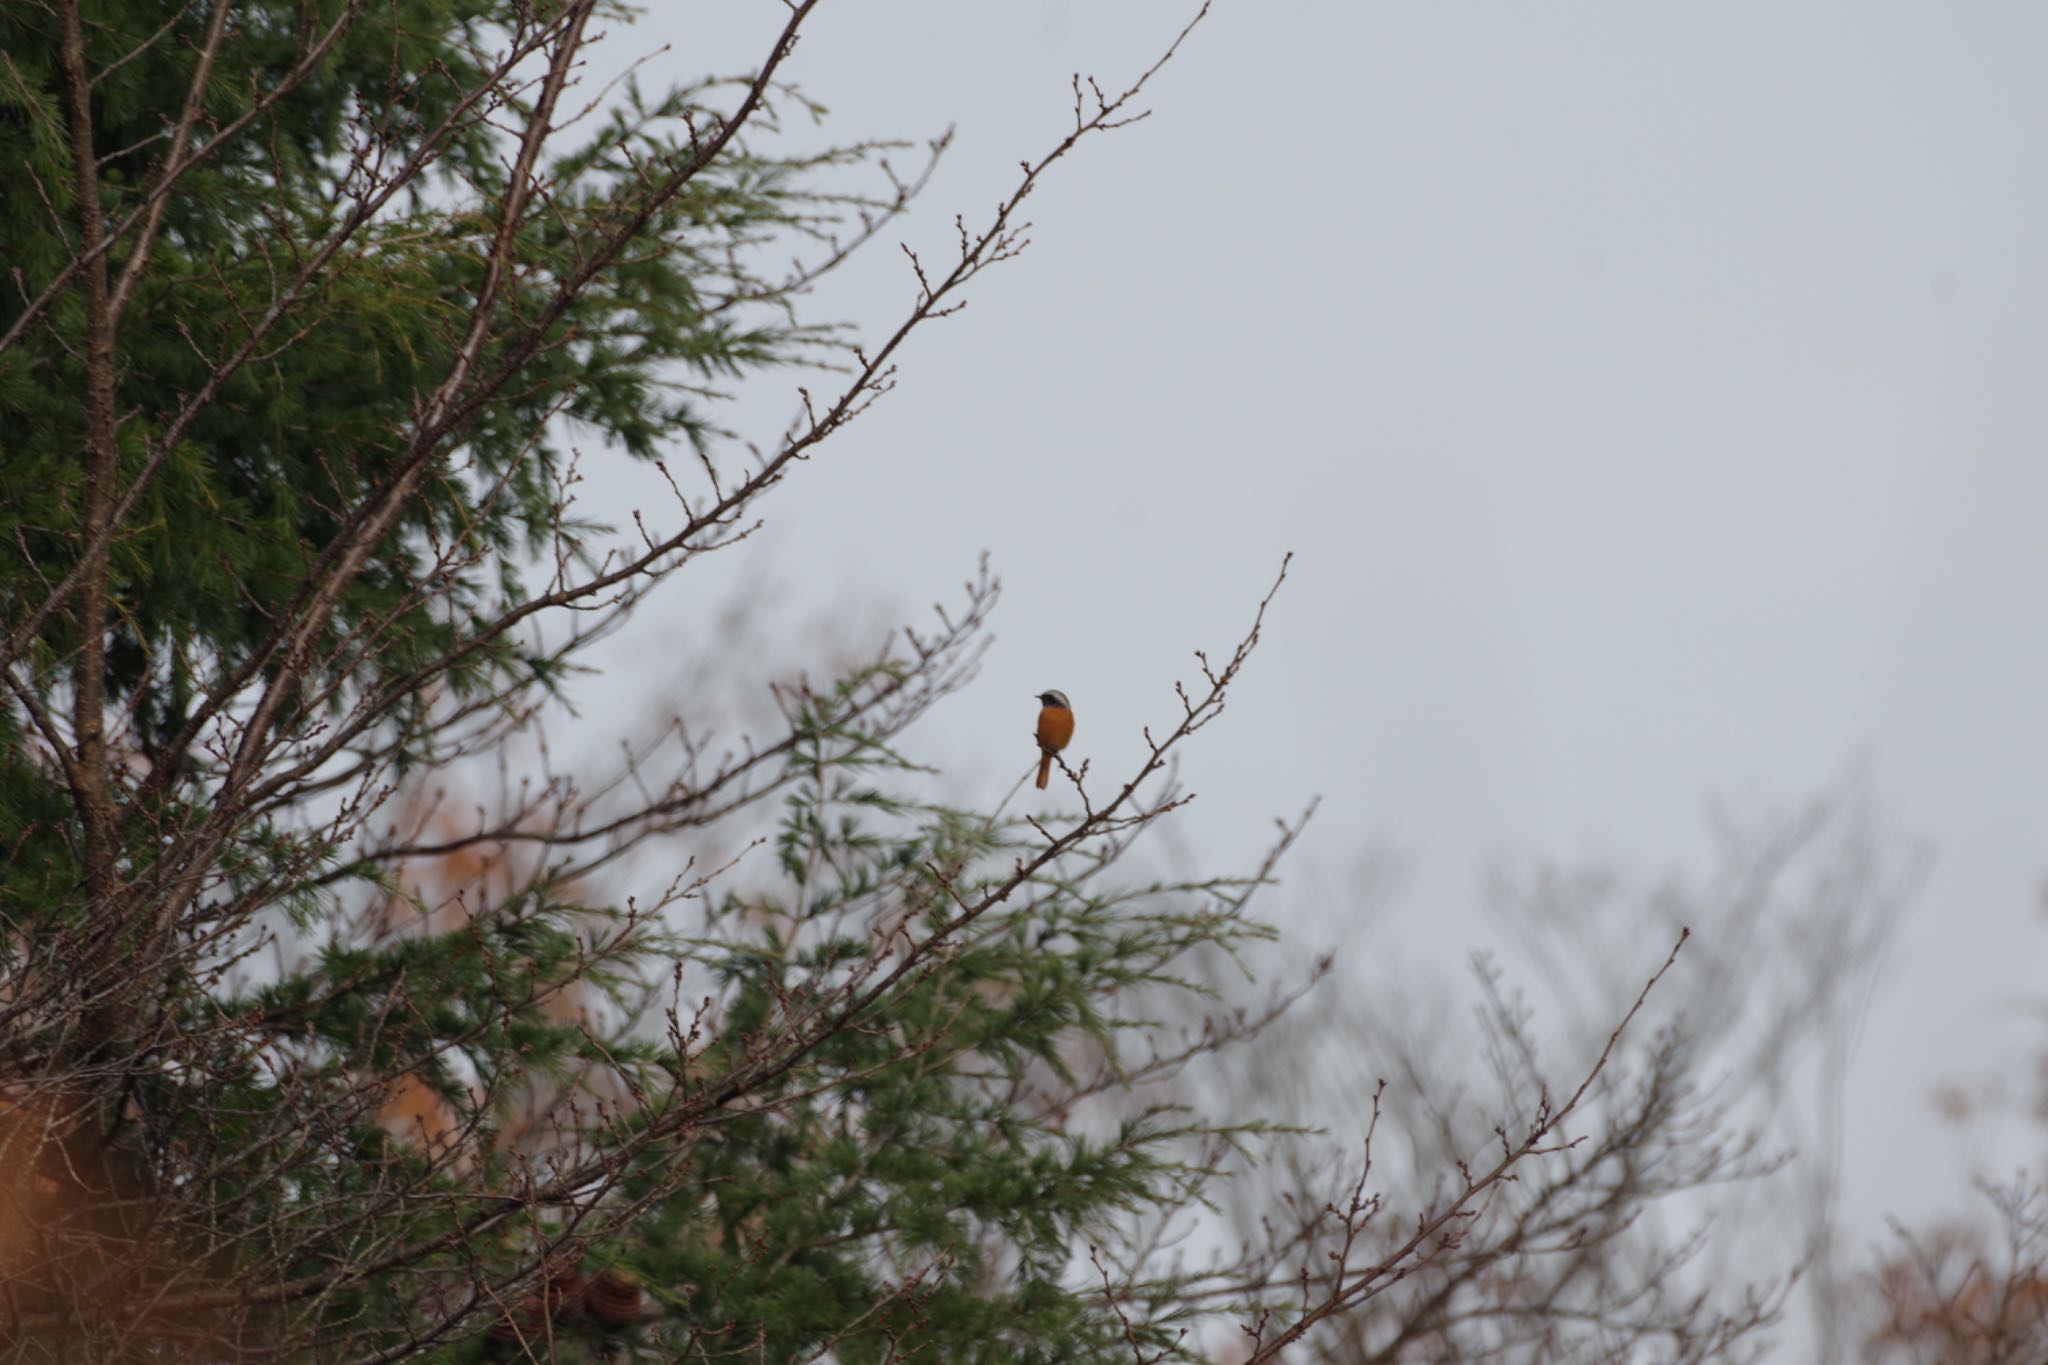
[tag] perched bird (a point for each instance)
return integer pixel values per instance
(1055, 728)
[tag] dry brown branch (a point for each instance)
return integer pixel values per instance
(1437, 1230)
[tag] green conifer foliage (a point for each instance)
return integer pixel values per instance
(310, 308)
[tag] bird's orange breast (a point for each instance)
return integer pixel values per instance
(1055, 728)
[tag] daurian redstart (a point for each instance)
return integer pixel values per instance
(1055, 728)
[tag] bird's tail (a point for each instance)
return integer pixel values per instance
(1044, 769)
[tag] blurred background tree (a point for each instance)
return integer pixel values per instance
(312, 1044)
(1695, 1216)
(1970, 1284)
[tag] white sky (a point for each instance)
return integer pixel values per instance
(1653, 395)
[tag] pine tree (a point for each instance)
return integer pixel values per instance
(308, 303)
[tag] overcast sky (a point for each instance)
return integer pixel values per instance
(1653, 396)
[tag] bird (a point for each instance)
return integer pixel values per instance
(1055, 728)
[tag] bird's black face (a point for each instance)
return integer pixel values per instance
(1058, 699)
